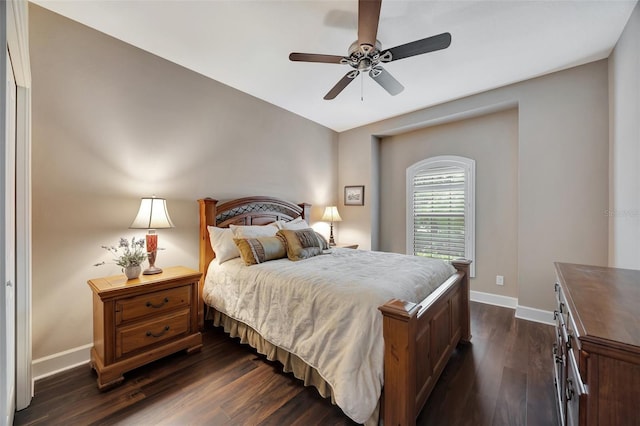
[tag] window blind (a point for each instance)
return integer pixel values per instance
(439, 213)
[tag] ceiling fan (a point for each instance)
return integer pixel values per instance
(366, 54)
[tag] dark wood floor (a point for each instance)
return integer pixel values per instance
(503, 378)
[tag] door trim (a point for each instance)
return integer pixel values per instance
(18, 44)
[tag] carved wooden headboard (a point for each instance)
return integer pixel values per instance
(257, 210)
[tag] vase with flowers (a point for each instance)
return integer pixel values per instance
(129, 256)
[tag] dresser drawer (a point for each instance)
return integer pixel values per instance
(154, 303)
(144, 334)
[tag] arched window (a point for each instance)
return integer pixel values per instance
(441, 208)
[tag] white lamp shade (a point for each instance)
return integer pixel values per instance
(153, 214)
(331, 214)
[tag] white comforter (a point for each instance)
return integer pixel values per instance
(325, 310)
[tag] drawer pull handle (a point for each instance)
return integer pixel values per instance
(556, 356)
(570, 391)
(151, 305)
(150, 334)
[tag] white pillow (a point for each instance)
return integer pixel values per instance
(254, 231)
(221, 240)
(295, 224)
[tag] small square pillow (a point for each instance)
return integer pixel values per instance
(254, 231)
(261, 249)
(221, 240)
(301, 243)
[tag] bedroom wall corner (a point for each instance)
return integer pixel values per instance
(357, 157)
(624, 147)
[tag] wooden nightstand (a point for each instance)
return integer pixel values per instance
(351, 246)
(140, 320)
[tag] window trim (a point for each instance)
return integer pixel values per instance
(469, 167)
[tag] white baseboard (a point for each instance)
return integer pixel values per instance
(494, 299)
(535, 315)
(56, 363)
(522, 312)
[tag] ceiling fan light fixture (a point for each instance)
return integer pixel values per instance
(364, 64)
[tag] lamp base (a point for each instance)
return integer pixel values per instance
(152, 270)
(151, 257)
(332, 242)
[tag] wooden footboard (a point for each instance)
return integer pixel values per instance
(419, 340)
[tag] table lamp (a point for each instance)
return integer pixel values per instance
(331, 215)
(152, 215)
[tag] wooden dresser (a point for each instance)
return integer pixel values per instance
(138, 321)
(597, 349)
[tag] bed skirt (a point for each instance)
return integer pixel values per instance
(290, 362)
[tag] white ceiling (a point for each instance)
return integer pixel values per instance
(245, 44)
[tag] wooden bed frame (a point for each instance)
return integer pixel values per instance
(419, 338)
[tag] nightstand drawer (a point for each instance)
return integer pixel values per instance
(154, 303)
(141, 335)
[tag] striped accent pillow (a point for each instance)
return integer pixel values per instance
(261, 249)
(301, 243)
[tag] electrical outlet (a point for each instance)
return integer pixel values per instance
(499, 280)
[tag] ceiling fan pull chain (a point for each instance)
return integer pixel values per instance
(362, 87)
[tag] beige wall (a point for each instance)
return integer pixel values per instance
(562, 171)
(492, 141)
(624, 148)
(111, 124)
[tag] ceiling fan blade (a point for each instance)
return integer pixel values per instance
(368, 17)
(313, 57)
(386, 80)
(418, 47)
(339, 87)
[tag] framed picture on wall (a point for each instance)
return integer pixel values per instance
(354, 195)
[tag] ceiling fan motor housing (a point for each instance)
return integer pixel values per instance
(365, 57)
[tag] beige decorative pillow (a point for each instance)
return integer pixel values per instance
(301, 243)
(300, 223)
(261, 249)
